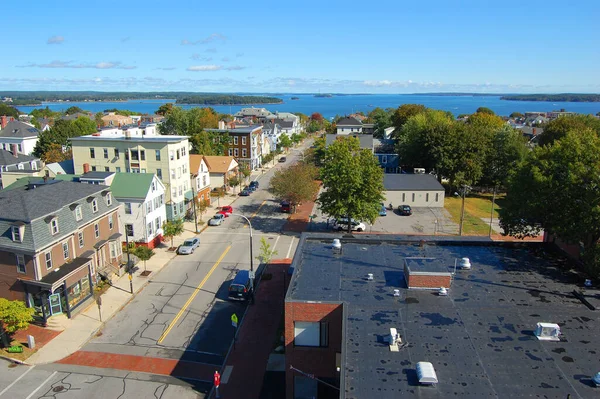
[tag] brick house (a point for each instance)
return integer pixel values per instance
(245, 144)
(57, 238)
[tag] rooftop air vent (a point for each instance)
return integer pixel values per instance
(396, 292)
(547, 332)
(426, 373)
(464, 263)
(370, 276)
(337, 246)
(443, 291)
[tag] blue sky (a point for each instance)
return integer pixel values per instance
(304, 46)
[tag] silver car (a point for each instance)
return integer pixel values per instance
(188, 246)
(216, 220)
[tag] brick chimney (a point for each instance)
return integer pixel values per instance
(14, 150)
(86, 168)
(3, 121)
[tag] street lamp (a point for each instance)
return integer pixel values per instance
(251, 257)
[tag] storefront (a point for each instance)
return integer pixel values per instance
(62, 291)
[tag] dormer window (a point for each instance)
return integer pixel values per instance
(17, 233)
(94, 205)
(78, 213)
(108, 199)
(54, 226)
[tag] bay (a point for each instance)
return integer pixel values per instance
(347, 104)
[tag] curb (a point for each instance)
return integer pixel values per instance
(10, 359)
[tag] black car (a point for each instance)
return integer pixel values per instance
(244, 193)
(282, 160)
(250, 188)
(405, 210)
(241, 287)
(254, 184)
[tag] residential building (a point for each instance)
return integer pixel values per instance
(59, 236)
(245, 144)
(349, 125)
(132, 151)
(112, 119)
(384, 150)
(416, 190)
(256, 114)
(221, 169)
(21, 134)
(200, 177)
(365, 140)
(144, 211)
(152, 118)
(14, 165)
(273, 132)
(58, 168)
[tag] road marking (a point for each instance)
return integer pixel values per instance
(15, 381)
(275, 244)
(226, 374)
(255, 213)
(191, 298)
(290, 250)
(43, 383)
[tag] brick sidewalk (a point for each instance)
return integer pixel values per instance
(257, 336)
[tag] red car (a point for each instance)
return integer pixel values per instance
(226, 210)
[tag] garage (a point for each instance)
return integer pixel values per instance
(416, 190)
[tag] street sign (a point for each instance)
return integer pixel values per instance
(234, 320)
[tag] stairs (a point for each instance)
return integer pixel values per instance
(58, 322)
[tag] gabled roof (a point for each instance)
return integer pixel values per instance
(348, 121)
(219, 163)
(19, 129)
(411, 182)
(131, 185)
(285, 124)
(65, 167)
(23, 181)
(195, 161)
(366, 140)
(7, 158)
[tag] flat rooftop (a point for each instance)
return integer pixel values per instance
(479, 338)
(428, 266)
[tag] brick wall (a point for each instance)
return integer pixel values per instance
(419, 281)
(10, 287)
(313, 360)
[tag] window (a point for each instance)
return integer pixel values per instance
(21, 264)
(236, 152)
(437, 197)
(179, 172)
(243, 140)
(78, 213)
(128, 208)
(117, 153)
(110, 222)
(181, 207)
(108, 199)
(135, 170)
(105, 151)
(54, 226)
(143, 170)
(311, 333)
(19, 148)
(173, 173)
(96, 230)
(143, 155)
(16, 233)
(150, 232)
(177, 154)
(235, 141)
(127, 154)
(182, 151)
(427, 197)
(135, 156)
(184, 168)
(172, 155)
(148, 207)
(118, 169)
(403, 197)
(174, 192)
(180, 190)
(48, 256)
(230, 152)
(114, 249)
(65, 247)
(384, 159)
(159, 173)
(92, 153)
(204, 184)
(93, 168)
(244, 153)
(157, 155)
(129, 230)
(80, 238)
(157, 223)
(413, 197)
(185, 186)
(175, 210)
(94, 205)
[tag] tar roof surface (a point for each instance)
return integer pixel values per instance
(479, 338)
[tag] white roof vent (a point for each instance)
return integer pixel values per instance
(394, 340)
(396, 292)
(337, 245)
(426, 373)
(588, 282)
(547, 332)
(370, 276)
(596, 379)
(464, 263)
(443, 291)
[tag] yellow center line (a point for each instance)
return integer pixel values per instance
(191, 298)
(255, 213)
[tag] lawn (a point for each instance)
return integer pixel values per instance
(19, 356)
(477, 206)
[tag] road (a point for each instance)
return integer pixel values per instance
(169, 339)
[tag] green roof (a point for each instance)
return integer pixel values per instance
(23, 181)
(131, 185)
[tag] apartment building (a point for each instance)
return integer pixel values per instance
(134, 150)
(245, 144)
(59, 236)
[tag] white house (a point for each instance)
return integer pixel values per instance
(21, 135)
(416, 190)
(144, 211)
(272, 131)
(200, 177)
(349, 125)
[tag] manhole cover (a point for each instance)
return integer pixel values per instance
(58, 388)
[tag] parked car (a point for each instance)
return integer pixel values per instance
(216, 220)
(226, 210)
(188, 246)
(255, 184)
(250, 188)
(382, 211)
(282, 160)
(241, 286)
(245, 192)
(342, 225)
(285, 206)
(405, 210)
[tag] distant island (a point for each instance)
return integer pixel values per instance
(324, 95)
(37, 97)
(295, 98)
(567, 97)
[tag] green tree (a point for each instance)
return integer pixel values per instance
(144, 253)
(172, 229)
(352, 181)
(557, 188)
(7, 110)
(188, 122)
(382, 119)
(485, 120)
(61, 132)
(14, 316)
(266, 253)
(40, 113)
(164, 109)
(234, 182)
(295, 184)
(317, 156)
(404, 113)
(73, 110)
(98, 119)
(558, 128)
(507, 149)
(244, 170)
(269, 157)
(296, 138)
(55, 153)
(517, 115)
(285, 141)
(201, 206)
(485, 110)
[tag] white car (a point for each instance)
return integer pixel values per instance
(216, 220)
(188, 246)
(342, 225)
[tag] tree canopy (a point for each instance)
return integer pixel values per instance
(352, 181)
(60, 134)
(485, 110)
(382, 119)
(404, 113)
(558, 128)
(14, 316)
(8, 110)
(296, 183)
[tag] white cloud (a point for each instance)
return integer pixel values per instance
(70, 64)
(55, 40)
(204, 68)
(166, 68)
(213, 37)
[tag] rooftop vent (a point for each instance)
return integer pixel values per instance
(396, 292)
(337, 246)
(394, 340)
(596, 379)
(443, 291)
(588, 282)
(426, 373)
(464, 263)
(370, 276)
(547, 332)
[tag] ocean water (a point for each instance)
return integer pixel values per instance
(347, 104)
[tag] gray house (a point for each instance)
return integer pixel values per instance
(416, 190)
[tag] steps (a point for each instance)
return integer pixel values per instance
(58, 322)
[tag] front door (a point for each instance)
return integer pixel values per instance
(55, 305)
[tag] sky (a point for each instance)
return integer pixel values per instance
(307, 46)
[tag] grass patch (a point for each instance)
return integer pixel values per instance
(477, 206)
(19, 356)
